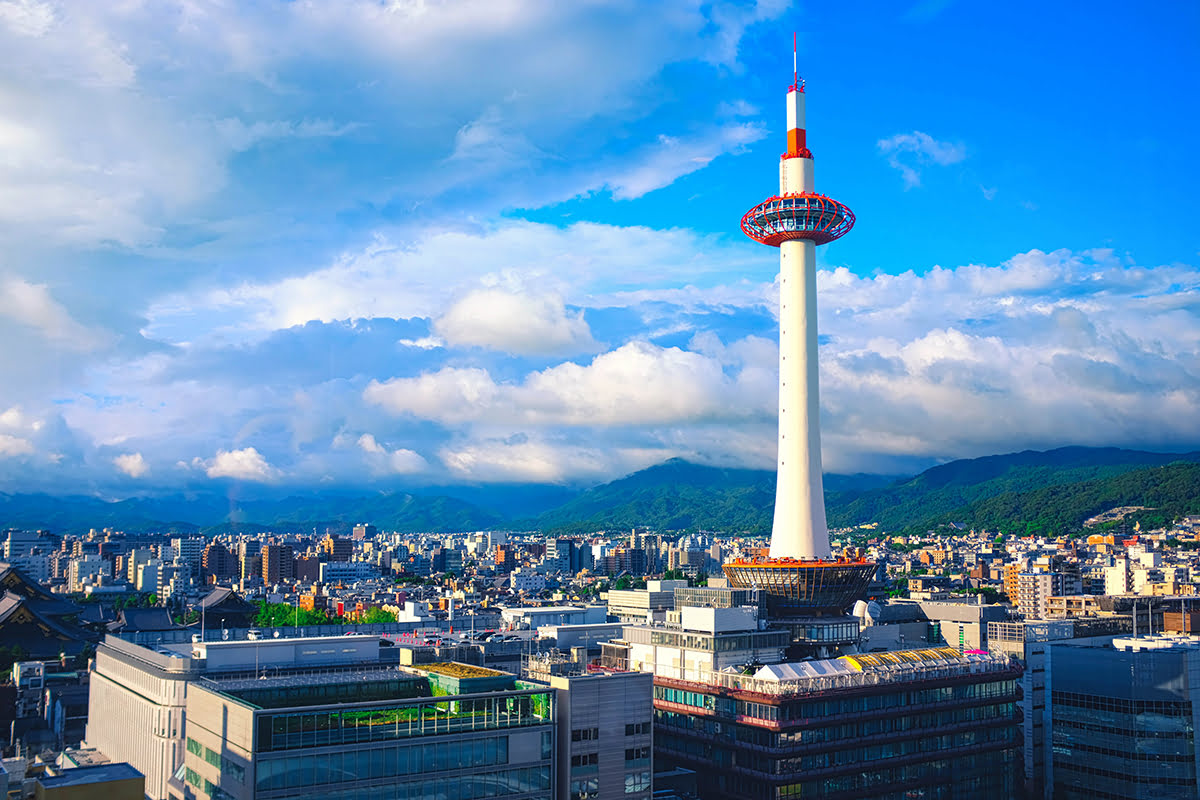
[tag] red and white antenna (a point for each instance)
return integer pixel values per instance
(795, 69)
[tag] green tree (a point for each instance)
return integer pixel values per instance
(374, 615)
(623, 582)
(281, 615)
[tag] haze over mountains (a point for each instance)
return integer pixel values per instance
(1030, 490)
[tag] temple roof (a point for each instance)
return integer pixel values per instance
(143, 619)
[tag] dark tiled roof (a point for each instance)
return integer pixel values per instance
(143, 619)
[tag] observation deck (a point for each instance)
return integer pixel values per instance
(803, 215)
(796, 587)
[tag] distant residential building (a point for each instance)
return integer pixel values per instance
(336, 548)
(308, 569)
(363, 531)
(189, 551)
(217, 562)
(1035, 588)
(278, 563)
(250, 559)
(335, 572)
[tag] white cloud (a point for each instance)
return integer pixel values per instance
(32, 304)
(908, 152)
(242, 136)
(14, 446)
(132, 464)
(423, 343)
(498, 461)
(673, 157)
(515, 322)
(636, 384)
(398, 462)
(246, 464)
(27, 17)
(402, 280)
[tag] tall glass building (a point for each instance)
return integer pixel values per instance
(1122, 719)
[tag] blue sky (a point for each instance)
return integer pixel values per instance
(366, 245)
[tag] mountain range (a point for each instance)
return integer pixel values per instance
(1030, 491)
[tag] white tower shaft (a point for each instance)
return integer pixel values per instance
(799, 529)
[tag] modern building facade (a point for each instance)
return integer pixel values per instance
(440, 730)
(1122, 719)
(917, 723)
(605, 739)
(1028, 641)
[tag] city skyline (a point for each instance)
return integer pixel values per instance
(410, 244)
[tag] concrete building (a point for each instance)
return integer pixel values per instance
(1034, 588)
(1122, 719)
(278, 564)
(531, 618)
(963, 625)
(637, 606)
(189, 551)
(144, 690)
(335, 572)
(706, 640)
(605, 740)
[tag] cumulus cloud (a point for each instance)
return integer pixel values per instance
(401, 461)
(1045, 350)
(637, 384)
(401, 280)
(132, 464)
(909, 152)
(14, 446)
(524, 460)
(246, 464)
(515, 322)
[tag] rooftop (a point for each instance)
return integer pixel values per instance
(458, 670)
(855, 671)
(101, 773)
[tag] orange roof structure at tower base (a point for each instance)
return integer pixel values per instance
(802, 587)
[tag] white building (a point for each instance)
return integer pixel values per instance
(528, 618)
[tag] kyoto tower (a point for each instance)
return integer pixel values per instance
(800, 576)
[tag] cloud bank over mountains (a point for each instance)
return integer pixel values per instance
(258, 245)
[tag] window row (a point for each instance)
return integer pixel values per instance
(316, 729)
(325, 768)
(585, 734)
(522, 782)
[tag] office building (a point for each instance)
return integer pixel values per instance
(436, 730)
(605, 740)
(1028, 641)
(1121, 719)
(917, 723)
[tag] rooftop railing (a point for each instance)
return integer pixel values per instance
(881, 675)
